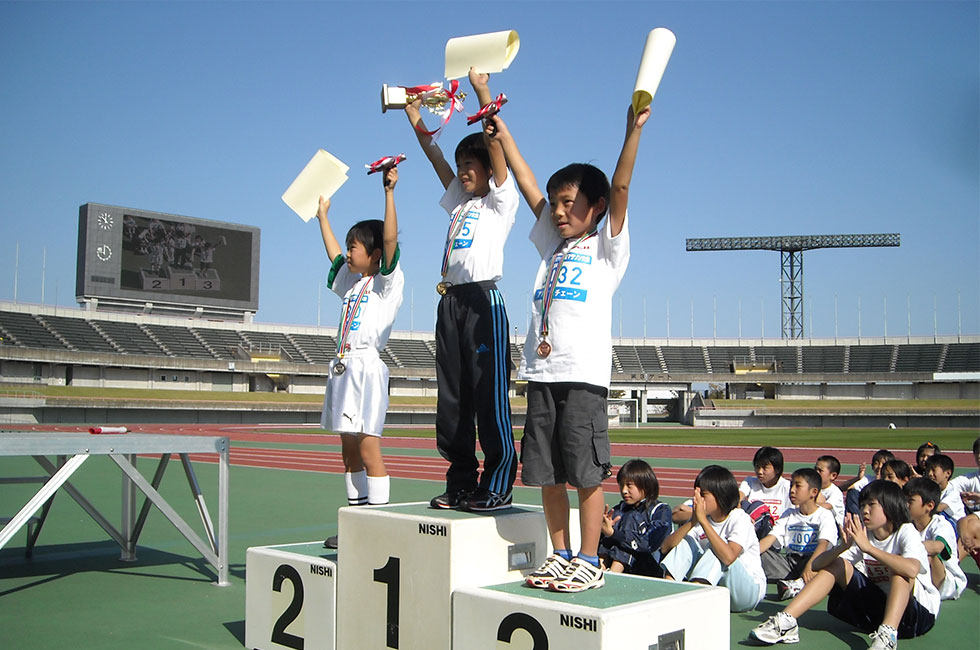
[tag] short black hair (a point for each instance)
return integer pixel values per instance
(832, 463)
(639, 473)
(369, 232)
(944, 462)
(882, 456)
(927, 445)
(891, 499)
(809, 475)
(589, 180)
(720, 482)
(926, 488)
(899, 467)
(769, 456)
(474, 145)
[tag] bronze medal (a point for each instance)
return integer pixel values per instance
(442, 287)
(339, 368)
(544, 349)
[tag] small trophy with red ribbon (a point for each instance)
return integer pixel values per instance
(384, 164)
(434, 97)
(490, 109)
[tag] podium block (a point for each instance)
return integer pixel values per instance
(290, 597)
(207, 281)
(182, 279)
(628, 613)
(400, 563)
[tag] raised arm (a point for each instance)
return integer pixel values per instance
(619, 192)
(495, 129)
(391, 217)
(329, 240)
(431, 150)
(498, 163)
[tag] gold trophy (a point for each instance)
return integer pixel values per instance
(434, 97)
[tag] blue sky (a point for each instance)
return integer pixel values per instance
(772, 119)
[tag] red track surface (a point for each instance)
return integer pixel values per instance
(674, 482)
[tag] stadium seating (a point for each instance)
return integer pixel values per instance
(80, 334)
(24, 330)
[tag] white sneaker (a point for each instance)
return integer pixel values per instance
(781, 628)
(885, 638)
(579, 576)
(552, 569)
(789, 588)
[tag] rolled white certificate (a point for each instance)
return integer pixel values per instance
(656, 53)
(486, 52)
(322, 176)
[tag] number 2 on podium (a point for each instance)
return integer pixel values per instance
(389, 575)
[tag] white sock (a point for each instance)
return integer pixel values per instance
(377, 490)
(357, 488)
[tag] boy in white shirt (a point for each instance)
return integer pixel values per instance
(938, 537)
(768, 485)
(852, 488)
(831, 497)
(802, 533)
(584, 255)
(968, 485)
(940, 468)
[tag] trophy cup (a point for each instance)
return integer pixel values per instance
(434, 97)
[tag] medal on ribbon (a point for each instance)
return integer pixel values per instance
(558, 259)
(455, 227)
(490, 109)
(347, 322)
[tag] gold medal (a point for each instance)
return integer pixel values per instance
(442, 288)
(544, 349)
(339, 368)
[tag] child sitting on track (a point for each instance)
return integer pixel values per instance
(831, 497)
(718, 546)
(852, 488)
(877, 578)
(897, 471)
(370, 281)
(768, 485)
(938, 537)
(803, 532)
(633, 530)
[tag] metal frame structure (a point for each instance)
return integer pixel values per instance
(791, 249)
(73, 449)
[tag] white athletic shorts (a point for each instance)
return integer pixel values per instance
(357, 400)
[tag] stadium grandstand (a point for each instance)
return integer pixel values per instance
(55, 346)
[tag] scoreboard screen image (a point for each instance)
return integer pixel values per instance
(150, 256)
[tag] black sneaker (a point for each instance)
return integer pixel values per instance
(450, 500)
(486, 501)
(330, 542)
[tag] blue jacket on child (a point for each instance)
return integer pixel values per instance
(637, 535)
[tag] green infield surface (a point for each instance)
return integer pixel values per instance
(75, 592)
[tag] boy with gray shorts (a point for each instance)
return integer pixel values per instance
(583, 260)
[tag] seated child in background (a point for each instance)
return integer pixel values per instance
(968, 485)
(969, 530)
(633, 530)
(828, 467)
(938, 537)
(718, 545)
(897, 471)
(877, 578)
(853, 487)
(922, 454)
(940, 468)
(768, 485)
(802, 533)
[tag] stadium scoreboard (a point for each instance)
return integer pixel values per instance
(127, 255)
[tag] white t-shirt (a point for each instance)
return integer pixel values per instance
(835, 499)
(478, 247)
(967, 483)
(580, 317)
(906, 542)
(776, 497)
(374, 317)
(796, 532)
(862, 482)
(951, 497)
(737, 527)
(939, 529)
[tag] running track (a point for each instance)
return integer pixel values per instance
(674, 482)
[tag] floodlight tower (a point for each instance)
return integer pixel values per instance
(791, 249)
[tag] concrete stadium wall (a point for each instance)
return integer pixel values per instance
(937, 390)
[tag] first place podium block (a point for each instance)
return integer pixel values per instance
(290, 597)
(400, 563)
(628, 613)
